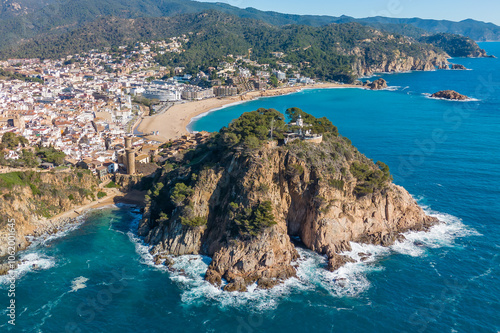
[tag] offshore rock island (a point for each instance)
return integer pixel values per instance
(242, 195)
(450, 94)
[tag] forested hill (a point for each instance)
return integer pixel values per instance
(333, 52)
(25, 19)
(455, 45)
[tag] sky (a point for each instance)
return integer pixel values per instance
(454, 10)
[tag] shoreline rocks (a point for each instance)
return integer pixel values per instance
(376, 85)
(44, 229)
(458, 67)
(450, 95)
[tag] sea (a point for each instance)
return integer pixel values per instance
(98, 276)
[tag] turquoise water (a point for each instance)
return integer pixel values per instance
(99, 278)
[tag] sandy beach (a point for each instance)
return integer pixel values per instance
(172, 124)
(108, 200)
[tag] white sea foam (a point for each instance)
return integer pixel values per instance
(189, 273)
(64, 230)
(78, 283)
(29, 262)
(348, 281)
(392, 88)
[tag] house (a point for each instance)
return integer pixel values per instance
(47, 165)
(112, 167)
(143, 158)
(70, 161)
(102, 172)
(10, 154)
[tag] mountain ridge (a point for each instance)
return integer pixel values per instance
(24, 19)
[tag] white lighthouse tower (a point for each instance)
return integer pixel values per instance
(300, 121)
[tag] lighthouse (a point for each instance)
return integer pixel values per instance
(300, 121)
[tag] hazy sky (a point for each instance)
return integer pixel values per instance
(457, 10)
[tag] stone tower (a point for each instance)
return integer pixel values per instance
(129, 155)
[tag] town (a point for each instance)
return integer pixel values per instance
(84, 105)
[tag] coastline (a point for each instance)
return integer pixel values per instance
(113, 196)
(70, 218)
(174, 122)
(108, 200)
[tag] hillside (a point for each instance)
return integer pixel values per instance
(455, 45)
(30, 198)
(240, 198)
(335, 52)
(476, 30)
(25, 19)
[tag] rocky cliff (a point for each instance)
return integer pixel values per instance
(367, 62)
(241, 202)
(31, 198)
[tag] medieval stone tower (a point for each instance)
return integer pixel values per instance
(129, 156)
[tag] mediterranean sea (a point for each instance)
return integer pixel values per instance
(99, 276)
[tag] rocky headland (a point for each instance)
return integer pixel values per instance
(31, 199)
(450, 94)
(455, 45)
(241, 197)
(399, 61)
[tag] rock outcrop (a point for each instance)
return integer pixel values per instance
(376, 85)
(450, 94)
(242, 206)
(458, 67)
(30, 198)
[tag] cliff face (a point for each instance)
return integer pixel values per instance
(243, 207)
(399, 61)
(30, 198)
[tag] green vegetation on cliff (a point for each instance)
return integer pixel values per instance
(44, 194)
(251, 221)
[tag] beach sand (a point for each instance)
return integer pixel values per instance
(172, 124)
(108, 200)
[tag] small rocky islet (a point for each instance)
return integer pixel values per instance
(450, 95)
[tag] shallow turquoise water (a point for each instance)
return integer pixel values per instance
(99, 278)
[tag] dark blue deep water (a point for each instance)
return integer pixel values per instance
(99, 278)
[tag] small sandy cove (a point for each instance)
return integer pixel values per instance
(172, 123)
(112, 197)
